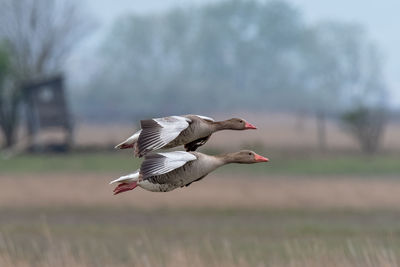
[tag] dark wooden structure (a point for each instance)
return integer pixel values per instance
(46, 108)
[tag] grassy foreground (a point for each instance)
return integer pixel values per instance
(279, 164)
(58, 210)
(221, 237)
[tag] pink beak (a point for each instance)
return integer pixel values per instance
(249, 126)
(259, 158)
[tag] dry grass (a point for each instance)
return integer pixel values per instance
(312, 254)
(73, 220)
(181, 258)
(216, 190)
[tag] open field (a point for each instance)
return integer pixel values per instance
(213, 237)
(302, 209)
(72, 219)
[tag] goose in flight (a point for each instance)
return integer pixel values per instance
(163, 172)
(192, 131)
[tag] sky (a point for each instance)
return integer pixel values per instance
(380, 18)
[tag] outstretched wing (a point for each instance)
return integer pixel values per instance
(156, 133)
(161, 163)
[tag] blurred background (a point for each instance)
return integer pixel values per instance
(320, 80)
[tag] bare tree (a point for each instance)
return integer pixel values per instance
(366, 119)
(39, 34)
(342, 70)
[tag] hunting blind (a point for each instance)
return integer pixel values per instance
(46, 108)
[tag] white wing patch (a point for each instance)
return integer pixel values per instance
(167, 121)
(157, 133)
(161, 163)
(205, 118)
(172, 127)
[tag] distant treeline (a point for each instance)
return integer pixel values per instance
(232, 55)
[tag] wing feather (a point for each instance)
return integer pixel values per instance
(156, 133)
(162, 163)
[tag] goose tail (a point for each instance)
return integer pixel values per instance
(130, 142)
(126, 183)
(133, 177)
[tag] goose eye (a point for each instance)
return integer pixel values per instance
(240, 121)
(250, 154)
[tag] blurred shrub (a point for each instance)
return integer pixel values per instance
(366, 125)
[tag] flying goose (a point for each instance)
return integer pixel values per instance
(163, 172)
(192, 131)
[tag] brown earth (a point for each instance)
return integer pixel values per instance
(42, 190)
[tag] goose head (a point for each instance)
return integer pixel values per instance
(238, 124)
(244, 157)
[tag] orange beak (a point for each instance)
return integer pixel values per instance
(259, 158)
(249, 126)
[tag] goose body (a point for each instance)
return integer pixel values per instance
(163, 172)
(191, 131)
